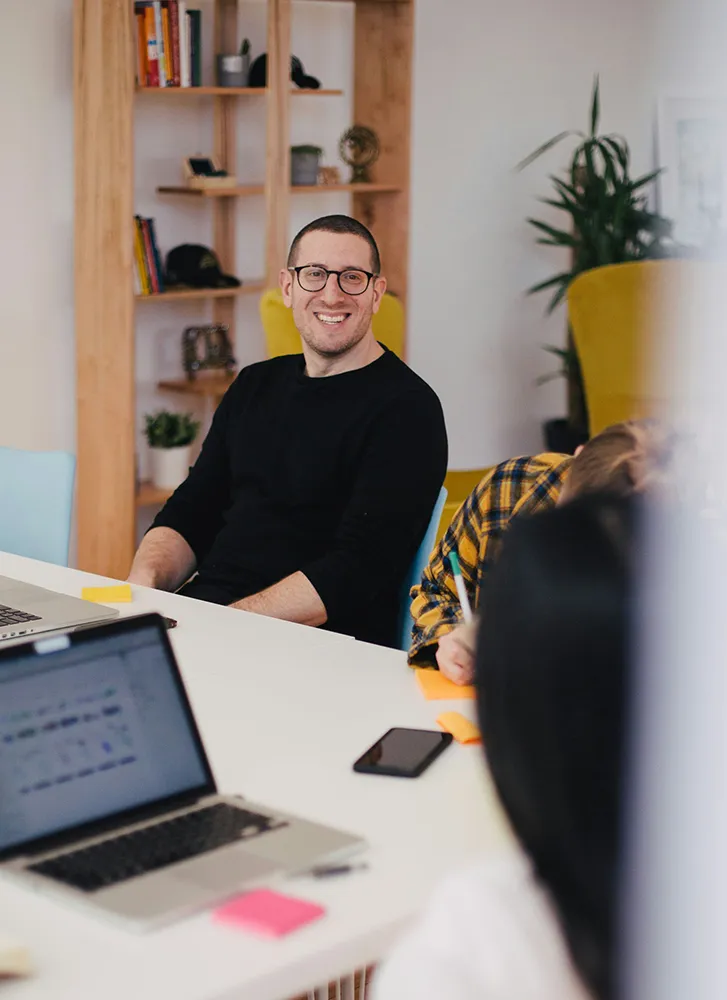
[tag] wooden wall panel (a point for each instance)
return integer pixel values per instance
(225, 151)
(277, 160)
(103, 95)
(383, 76)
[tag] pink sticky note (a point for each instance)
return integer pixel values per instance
(268, 913)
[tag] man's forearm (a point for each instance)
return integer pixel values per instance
(164, 560)
(294, 599)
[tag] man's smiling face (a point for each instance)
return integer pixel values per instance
(331, 322)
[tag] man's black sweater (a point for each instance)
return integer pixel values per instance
(333, 476)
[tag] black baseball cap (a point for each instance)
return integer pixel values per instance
(259, 74)
(198, 267)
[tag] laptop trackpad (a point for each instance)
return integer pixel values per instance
(223, 870)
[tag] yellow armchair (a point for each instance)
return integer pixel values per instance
(282, 337)
(614, 313)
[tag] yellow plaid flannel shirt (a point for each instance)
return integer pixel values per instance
(519, 486)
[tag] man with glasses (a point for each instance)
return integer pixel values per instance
(318, 476)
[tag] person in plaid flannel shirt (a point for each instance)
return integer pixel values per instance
(623, 459)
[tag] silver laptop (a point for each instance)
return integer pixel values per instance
(107, 794)
(26, 609)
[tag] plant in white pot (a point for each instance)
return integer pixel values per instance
(170, 436)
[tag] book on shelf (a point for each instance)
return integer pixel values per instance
(148, 270)
(194, 20)
(169, 44)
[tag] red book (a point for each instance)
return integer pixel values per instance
(152, 51)
(174, 32)
(149, 257)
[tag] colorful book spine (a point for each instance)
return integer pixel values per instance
(185, 77)
(149, 257)
(156, 256)
(166, 32)
(138, 290)
(161, 55)
(152, 50)
(195, 31)
(142, 68)
(139, 257)
(174, 38)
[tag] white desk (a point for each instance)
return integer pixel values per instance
(284, 711)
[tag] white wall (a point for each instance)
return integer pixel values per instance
(37, 388)
(492, 80)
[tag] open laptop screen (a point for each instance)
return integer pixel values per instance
(96, 727)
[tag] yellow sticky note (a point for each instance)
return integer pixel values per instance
(463, 730)
(120, 594)
(436, 687)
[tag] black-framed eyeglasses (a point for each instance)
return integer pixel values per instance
(351, 281)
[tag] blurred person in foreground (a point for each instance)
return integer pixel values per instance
(553, 677)
(623, 459)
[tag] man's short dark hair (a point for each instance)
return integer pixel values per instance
(337, 224)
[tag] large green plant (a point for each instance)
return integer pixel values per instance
(608, 222)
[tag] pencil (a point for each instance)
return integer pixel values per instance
(459, 584)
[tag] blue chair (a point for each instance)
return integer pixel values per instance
(417, 568)
(36, 503)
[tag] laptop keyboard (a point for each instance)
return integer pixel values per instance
(11, 616)
(153, 847)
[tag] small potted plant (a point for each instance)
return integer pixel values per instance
(304, 162)
(170, 437)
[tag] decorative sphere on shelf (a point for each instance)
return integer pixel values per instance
(359, 149)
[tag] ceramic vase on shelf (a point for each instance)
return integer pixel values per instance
(169, 466)
(304, 163)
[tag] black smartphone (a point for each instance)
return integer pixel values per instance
(403, 753)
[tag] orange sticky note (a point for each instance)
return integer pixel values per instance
(436, 687)
(120, 594)
(463, 730)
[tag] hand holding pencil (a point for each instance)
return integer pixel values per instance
(454, 657)
(464, 600)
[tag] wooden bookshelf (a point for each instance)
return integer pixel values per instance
(149, 495)
(312, 92)
(236, 91)
(362, 189)
(243, 191)
(180, 294)
(104, 98)
(207, 386)
(246, 190)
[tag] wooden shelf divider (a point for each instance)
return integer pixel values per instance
(209, 386)
(360, 189)
(177, 294)
(247, 190)
(244, 191)
(149, 495)
(237, 91)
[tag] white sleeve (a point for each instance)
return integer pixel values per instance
(416, 971)
(489, 933)
(433, 961)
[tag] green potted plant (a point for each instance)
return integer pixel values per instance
(170, 437)
(607, 222)
(304, 161)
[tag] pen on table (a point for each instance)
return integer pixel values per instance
(331, 871)
(459, 584)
